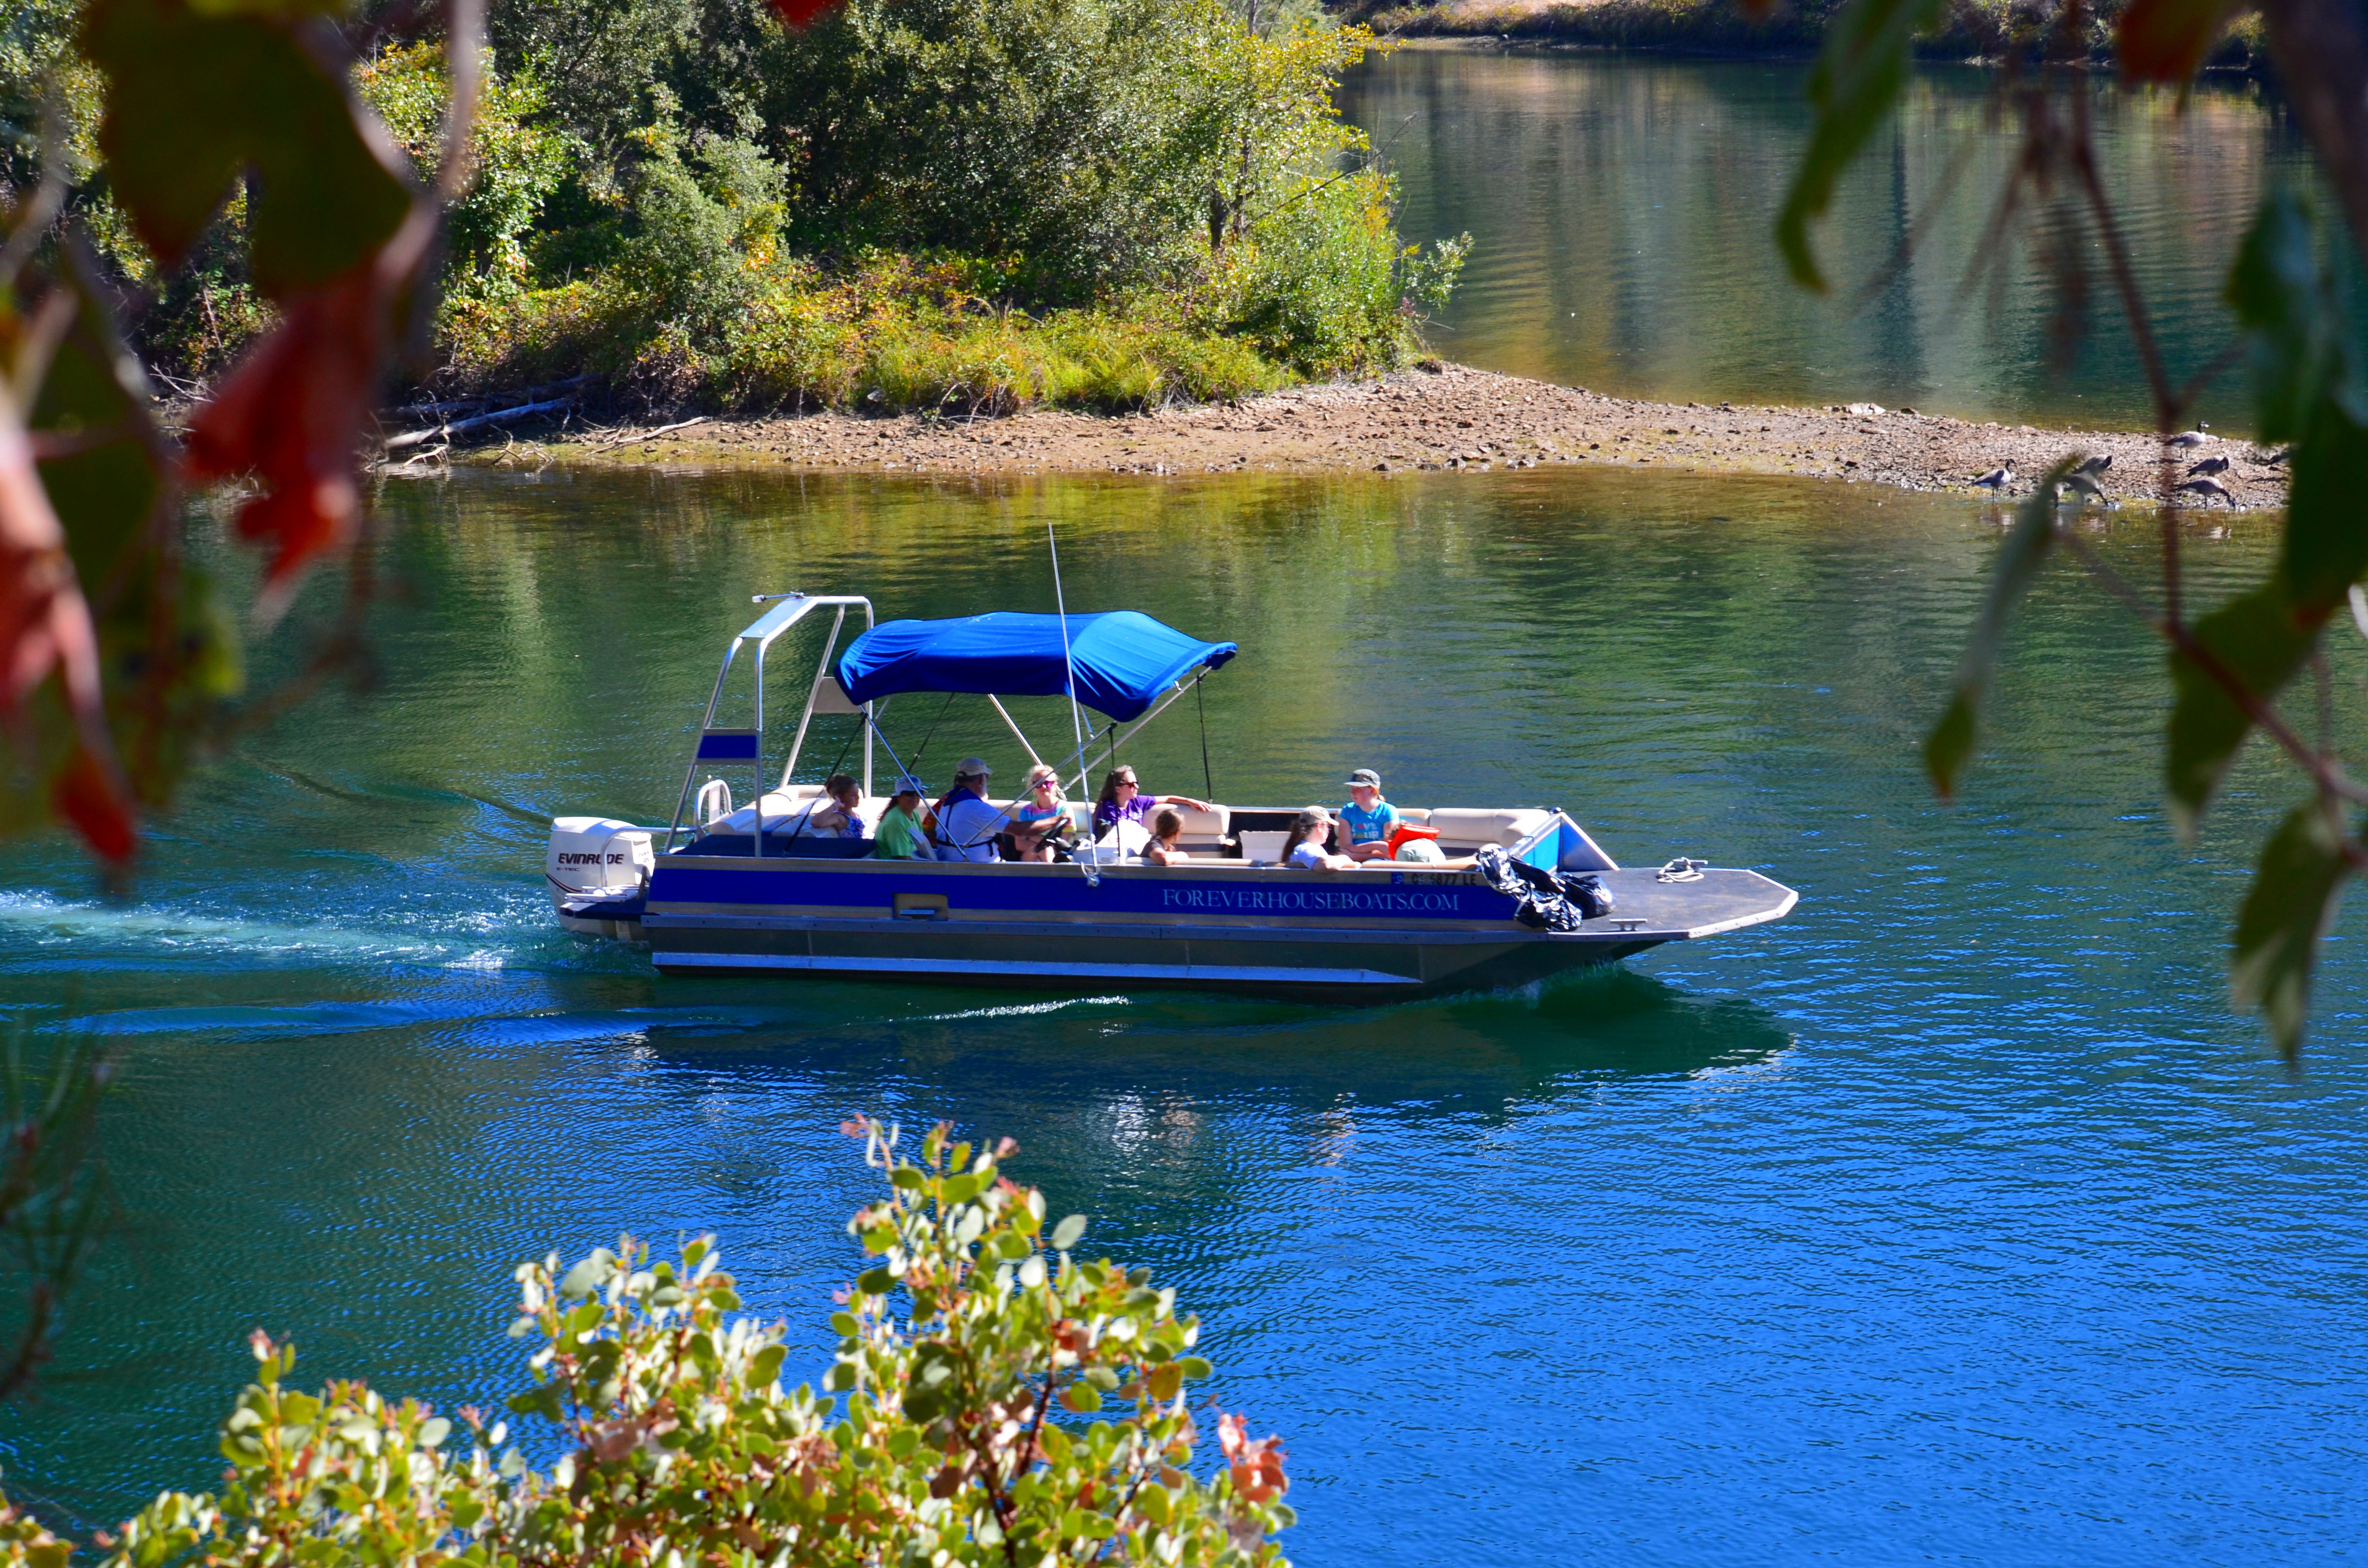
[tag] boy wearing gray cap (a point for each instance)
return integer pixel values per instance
(1367, 820)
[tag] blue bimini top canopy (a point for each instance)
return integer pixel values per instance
(1123, 659)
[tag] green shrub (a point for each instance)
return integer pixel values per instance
(995, 1398)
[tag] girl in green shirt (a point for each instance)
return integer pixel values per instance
(900, 837)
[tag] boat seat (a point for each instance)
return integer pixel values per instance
(1204, 832)
(1464, 828)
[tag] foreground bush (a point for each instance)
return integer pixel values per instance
(994, 1398)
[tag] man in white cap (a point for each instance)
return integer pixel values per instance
(966, 822)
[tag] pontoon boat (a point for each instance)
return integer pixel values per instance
(726, 890)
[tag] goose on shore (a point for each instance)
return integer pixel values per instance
(1998, 479)
(2194, 438)
(2209, 465)
(2096, 465)
(2209, 487)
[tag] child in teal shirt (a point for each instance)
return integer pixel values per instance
(1367, 820)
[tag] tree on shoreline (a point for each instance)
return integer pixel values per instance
(273, 205)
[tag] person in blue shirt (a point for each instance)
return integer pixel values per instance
(1367, 820)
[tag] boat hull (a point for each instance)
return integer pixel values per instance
(1370, 935)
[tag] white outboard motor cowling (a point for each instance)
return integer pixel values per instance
(596, 855)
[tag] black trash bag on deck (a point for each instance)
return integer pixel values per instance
(1538, 901)
(1586, 892)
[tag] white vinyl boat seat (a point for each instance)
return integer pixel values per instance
(1205, 833)
(1466, 829)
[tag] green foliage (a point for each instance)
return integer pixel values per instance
(2284, 297)
(36, 58)
(2286, 913)
(1157, 198)
(918, 331)
(994, 1398)
(195, 102)
(1039, 128)
(2255, 642)
(55, 1199)
(709, 225)
(1950, 744)
(1318, 283)
(517, 161)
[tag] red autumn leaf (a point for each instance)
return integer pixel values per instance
(89, 795)
(1255, 1465)
(292, 413)
(801, 13)
(45, 625)
(2165, 40)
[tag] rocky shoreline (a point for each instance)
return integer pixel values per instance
(1444, 417)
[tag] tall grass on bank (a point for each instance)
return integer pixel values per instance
(815, 341)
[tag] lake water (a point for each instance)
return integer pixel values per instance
(1954, 1219)
(1624, 209)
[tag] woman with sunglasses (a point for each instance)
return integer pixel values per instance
(1037, 815)
(1123, 799)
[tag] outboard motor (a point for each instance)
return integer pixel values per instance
(593, 856)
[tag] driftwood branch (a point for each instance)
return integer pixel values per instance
(414, 437)
(523, 394)
(631, 436)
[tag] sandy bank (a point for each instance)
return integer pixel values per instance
(1451, 419)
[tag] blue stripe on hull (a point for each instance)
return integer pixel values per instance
(1029, 892)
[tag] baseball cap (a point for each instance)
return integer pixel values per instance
(972, 767)
(1364, 776)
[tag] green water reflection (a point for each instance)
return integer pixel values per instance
(1623, 207)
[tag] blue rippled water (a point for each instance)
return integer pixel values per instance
(1954, 1219)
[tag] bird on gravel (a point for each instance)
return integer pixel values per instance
(1998, 479)
(2209, 487)
(2209, 465)
(2194, 438)
(2096, 465)
(2083, 483)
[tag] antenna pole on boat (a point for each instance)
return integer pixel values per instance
(1069, 675)
(1068, 666)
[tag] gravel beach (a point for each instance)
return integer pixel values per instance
(1444, 417)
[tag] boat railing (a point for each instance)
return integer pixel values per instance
(719, 746)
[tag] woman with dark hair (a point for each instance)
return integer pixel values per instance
(1123, 799)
